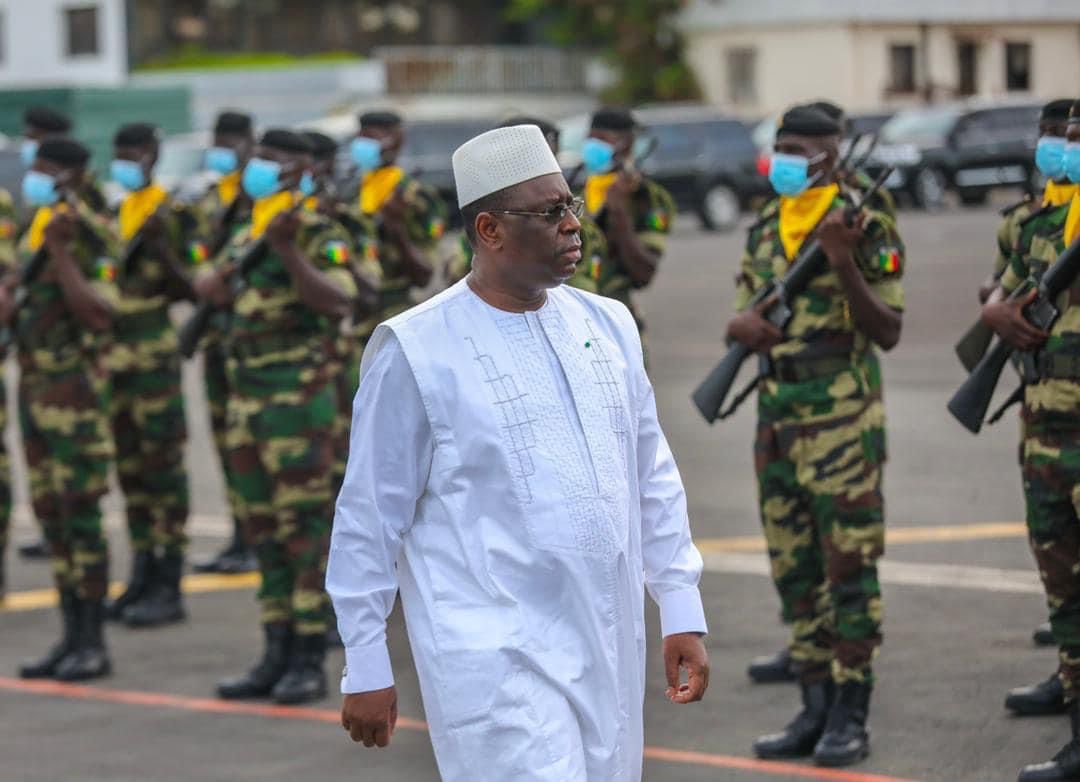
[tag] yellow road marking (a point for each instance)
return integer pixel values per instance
(33, 599)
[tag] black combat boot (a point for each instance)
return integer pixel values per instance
(162, 603)
(39, 549)
(237, 557)
(802, 733)
(45, 667)
(305, 681)
(846, 739)
(90, 659)
(1046, 697)
(1043, 635)
(143, 577)
(1066, 763)
(260, 680)
(772, 668)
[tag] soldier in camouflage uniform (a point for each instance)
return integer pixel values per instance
(61, 333)
(148, 406)
(1051, 445)
(8, 229)
(282, 406)
(820, 446)
(633, 212)
(221, 212)
(409, 216)
(881, 201)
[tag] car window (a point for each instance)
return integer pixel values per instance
(919, 125)
(430, 139)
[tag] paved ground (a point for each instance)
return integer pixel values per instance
(961, 595)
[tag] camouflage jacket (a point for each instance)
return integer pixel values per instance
(9, 230)
(269, 324)
(1041, 241)
(143, 334)
(653, 212)
(211, 215)
(49, 337)
(822, 341)
(1008, 232)
(425, 222)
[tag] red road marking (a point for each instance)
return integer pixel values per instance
(214, 706)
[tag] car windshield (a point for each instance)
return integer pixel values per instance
(919, 124)
(179, 160)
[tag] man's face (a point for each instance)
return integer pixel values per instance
(145, 155)
(65, 176)
(810, 147)
(538, 252)
(241, 144)
(292, 164)
(621, 140)
(390, 139)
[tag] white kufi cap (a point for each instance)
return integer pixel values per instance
(500, 158)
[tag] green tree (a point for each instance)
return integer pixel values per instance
(637, 37)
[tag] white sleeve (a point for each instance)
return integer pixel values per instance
(672, 562)
(390, 452)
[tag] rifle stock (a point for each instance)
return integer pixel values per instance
(974, 344)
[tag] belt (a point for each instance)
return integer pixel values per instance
(257, 347)
(800, 370)
(1058, 366)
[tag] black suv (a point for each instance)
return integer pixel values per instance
(964, 148)
(707, 161)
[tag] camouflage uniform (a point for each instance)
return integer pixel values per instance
(1051, 445)
(281, 412)
(64, 412)
(8, 229)
(819, 454)
(653, 212)
(148, 421)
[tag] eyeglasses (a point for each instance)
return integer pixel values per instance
(554, 215)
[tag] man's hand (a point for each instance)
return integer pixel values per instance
(753, 330)
(60, 231)
(214, 286)
(282, 231)
(625, 185)
(394, 212)
(1007, 319)
(838, 239)
(370, 717)
(686, 650)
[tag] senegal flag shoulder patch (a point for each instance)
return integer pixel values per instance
(198, 253)
(436, 228)
(337, 252)
(105, 270)
(657, 220)
(889, 260)
(7, 228)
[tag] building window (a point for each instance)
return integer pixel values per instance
(1018, 66)
(902, 68)
(81, 24)
(741, 65)
(967, 61)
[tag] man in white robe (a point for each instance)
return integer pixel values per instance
(508, 474)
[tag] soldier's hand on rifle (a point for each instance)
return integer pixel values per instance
(213, 286)
(60, 231)
(1007, 319)
(153, 228)
(838, 239)
(393, 213)
(753, 330)
(624, 186)
(282, 231)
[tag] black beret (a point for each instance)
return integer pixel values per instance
(547, 128)
(379, 119)
(613, 119)
(233, 122)
(322, 146)
(47, 119)
(136, 134)
(64, 151)
(829, 109)
(286, 141)
(807, 121)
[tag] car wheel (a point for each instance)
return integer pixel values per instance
(972, 197)
(929, 188)
(720, 208)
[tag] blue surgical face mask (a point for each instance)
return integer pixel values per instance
(261, 178)
(366, 153)
(28, 151)
(597, 156)
(223, 160)
(1070, 164)
(1050, 156)
(128, 174)
(39, 189)
(789, 174)
(307, 184)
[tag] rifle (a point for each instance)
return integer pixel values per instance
(192, 331)
(709, 397)
(975, 342)
(971, 401)
(135, 247)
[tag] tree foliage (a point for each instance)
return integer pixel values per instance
(637, 37)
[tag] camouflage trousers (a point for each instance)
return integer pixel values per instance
(281, 452)
(216, 381)
(346, 382)
(65, 431)
(819, 489)
(1051, 472)
(150, 432)
(5, 477)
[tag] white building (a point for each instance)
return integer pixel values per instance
(756, 57)
(62, 42)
